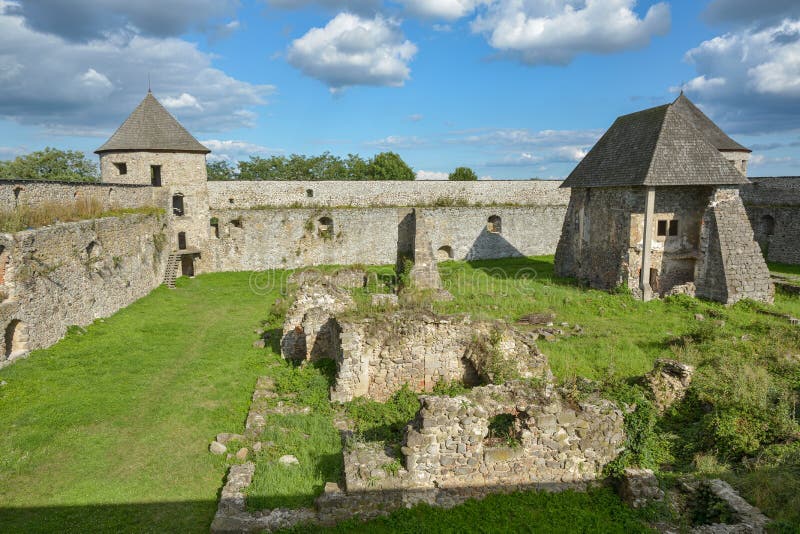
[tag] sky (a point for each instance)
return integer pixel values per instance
(511, 88)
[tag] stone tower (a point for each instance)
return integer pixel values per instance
(152, 148)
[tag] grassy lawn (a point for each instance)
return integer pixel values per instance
(108, 430)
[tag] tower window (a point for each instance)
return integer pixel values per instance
(155, 175)
(122, 168)
(177, 205)
(181, 240)
(673, 227)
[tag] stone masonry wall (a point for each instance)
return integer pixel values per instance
(27, 192)
(557, 441)
(292, 238)
(246, 195)
(773, 206)
(73, 273)
(380, 355)
(731, 266)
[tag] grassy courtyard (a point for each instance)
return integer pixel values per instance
(108, 430)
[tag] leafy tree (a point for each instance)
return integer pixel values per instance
(51, 164)
(463, 174)
(220, 170)
(389, 166)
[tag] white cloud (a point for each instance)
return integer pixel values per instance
(185, 100)
(416, 117)
(78, 88)
(351, 50)
(444, 9)
(11, 152)
(84, 20)
(230, 150)
(483, 178)
(749, 79)
(522, 138)
(555, 31)
(395, 141)
(353, 6)
(432, 175)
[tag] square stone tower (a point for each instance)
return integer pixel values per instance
(655, 206)
(152, 148)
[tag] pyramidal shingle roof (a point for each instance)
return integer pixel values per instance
(151, 127)
(706, 126)
(659, 146)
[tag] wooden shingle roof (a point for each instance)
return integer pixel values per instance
(659, 146)
(152, 128)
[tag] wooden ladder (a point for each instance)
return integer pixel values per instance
(171, 271)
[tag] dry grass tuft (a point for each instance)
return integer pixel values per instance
(35, 216)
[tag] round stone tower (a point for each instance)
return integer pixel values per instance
(152, 148)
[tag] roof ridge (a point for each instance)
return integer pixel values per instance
(658, 139)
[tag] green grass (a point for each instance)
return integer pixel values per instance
(598, 510)
(109, 430)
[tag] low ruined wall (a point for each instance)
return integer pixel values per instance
(773, 207)
(245, 195)
(22, 192)
(379, 355)
(73, 273)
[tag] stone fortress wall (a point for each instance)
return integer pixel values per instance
(111, 195)
(773, 206)
(71, 274)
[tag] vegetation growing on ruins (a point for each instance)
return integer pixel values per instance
(51, 164)
(383, 166)
(137, 400)
(27, 216)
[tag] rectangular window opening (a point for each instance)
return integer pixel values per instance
(673, 227)
(662, 228)
(122, 168)
(155, 175)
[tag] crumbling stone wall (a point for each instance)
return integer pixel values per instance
(73, 273)
(111, 195)
(557, 441)
(380, 355)
(731, 266)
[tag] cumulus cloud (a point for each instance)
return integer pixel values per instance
(88, 88)
(554, 32)
(432, 175)
(231, 150)
(520, 138)
(748, 11)
(443, 9)
(351, 50)
(84, 20)
(749, 79)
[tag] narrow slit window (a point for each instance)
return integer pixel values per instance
(155, 175)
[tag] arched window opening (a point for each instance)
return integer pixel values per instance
(325, 228)
(768, 225)
(17, 191)
(444, 253)
(16, 338)
(181, 240)
(177, 205)
(310, 193)
(495, 225)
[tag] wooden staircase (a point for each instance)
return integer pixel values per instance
(172, 269)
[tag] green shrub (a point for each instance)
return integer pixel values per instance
(384, 421)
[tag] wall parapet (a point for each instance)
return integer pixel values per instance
(33, 192)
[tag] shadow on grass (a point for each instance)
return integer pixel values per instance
(180, 516)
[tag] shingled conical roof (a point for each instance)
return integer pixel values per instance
(152, 128)
(656, 147)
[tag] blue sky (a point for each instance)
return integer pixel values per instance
(511, 88)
